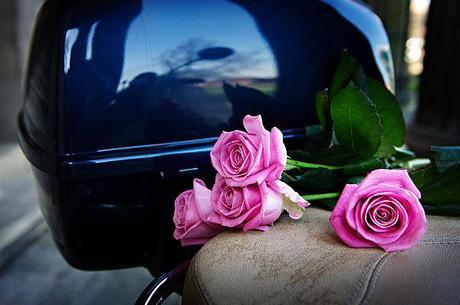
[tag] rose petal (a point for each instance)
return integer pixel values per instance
(396, 177)
(381, 238)
(250, 204)
(199, 233)
(252, 201)
(278, 153)
(256, 178)
(339, 222)
(253, 124)
(216, 151)
(255, 156)
(236, 222)
(381, 189)
(194, 241)
(271, 207)
(293, 203)
(273, 204)
(192, 214)
(179, 208)
(202, 198)
(416, 229)
(262, 228)
(378, 203)
(192, 209)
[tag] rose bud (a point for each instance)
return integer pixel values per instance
(255, 156)
(192, 209)
(382, 211)
(253, 207)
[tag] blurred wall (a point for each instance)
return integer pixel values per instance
(16, 24)
(438, 115)
(395, 17)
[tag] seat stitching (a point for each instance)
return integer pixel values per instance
(362, 281)
(373, 278)
(440, 241)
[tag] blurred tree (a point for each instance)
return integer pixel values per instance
(438, 114)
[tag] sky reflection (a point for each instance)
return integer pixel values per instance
(164, 26)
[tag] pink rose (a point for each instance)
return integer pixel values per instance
(383, 211)
(192, 209)
(255, 156)
(293, 203)
(252, 207)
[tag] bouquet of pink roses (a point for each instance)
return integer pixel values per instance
(247, 193)
(352, 162)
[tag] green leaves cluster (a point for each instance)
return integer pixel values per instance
(360, 123)
(361, 112)
(361, 128)
(439, 182)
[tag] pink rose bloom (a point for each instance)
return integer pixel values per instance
(383, 211)
(252, 207)
(255, 156)
(192, 209)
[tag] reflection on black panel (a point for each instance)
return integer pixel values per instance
(146, 72)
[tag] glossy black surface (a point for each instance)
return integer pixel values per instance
(132, 71)
(163, 286)
(124, 99)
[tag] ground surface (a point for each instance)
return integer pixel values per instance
(32, 272)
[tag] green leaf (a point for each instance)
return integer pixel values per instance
(323, 110)
(444, 157)
(406, 159)
(285, 177)
(345, 69)
(359, 78)
(316, 138)
(355, 179)
(301, 155)
(290, 166)
(403, 155)
(417, 163)
(443, 189)
(359, 167)
(445, 210)
(386, 149)
(348, 69)
(318, 181)
(334, 155)
(422, 176)
(390, 117)
(356, 124)
(327, 204)
(440, 191)
(309, 165)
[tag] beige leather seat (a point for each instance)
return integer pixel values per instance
(303, 262)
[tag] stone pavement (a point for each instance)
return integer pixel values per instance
(32, 272)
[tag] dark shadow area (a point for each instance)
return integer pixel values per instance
(91, 84)
(306, 47)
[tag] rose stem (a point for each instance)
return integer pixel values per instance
(321, 196)
(311, 165)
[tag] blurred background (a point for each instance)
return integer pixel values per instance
(425, 44)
